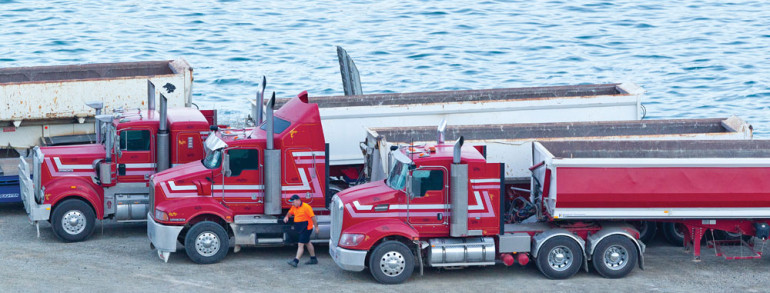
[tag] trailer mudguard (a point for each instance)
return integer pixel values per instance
(540, 239)
(379, 228)
(64, 187)
(616, 229)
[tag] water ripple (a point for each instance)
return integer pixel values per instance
(695, 59)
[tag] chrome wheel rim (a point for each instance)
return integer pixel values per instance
(392, 263)
(207, 244)
(615, 257)
(560, 258)
(73, 222)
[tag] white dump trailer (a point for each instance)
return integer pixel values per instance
(512, 143)
(47, 104)
(345, 118)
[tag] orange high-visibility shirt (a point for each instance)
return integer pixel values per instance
(303, 213)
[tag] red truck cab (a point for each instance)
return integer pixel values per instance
(72, 186)
(382, 224)
(240, 190)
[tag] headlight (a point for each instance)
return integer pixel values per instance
(161, 215)
(351, 239)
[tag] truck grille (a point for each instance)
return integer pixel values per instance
(336, 227)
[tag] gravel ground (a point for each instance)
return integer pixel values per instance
(120, 259)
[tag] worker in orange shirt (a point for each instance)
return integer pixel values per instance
(303, 214)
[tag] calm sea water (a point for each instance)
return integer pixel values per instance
(696, 59)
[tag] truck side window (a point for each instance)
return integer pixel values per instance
(429, 180)
(135, 140)
(243, 159)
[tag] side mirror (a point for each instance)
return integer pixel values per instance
(117, 146)
(414, 186)
(226, 165)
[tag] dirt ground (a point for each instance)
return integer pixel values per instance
(119, 259)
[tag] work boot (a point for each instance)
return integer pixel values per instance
(312, 261)
(293, 262)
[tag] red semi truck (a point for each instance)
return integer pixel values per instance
(240, 190)
(445, 206)
(72, 186)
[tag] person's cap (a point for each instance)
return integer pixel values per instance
(294, 197)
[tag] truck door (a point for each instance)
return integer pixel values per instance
(136, 161)
(428, 204)
(242, 191)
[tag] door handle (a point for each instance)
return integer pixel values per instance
(439, 216)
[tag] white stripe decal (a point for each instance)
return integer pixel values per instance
(60, 166)
(175, 187)
(305, 185)
(239, 187)
(362, 207)
(492, 180)
(307, 154)
(661, 213)
(479, 206)
(141, 165)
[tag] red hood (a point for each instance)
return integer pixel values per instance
(74, 160)
(372, 193)
(183, 173)
(81, 151)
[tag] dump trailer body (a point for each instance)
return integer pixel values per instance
(50, 101)
(512, 143)
(653, 179)
(343, 115)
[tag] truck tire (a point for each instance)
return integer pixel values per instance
(206, 243)
(615, 257)
(559, 258)
(674, 233)
(647, 230)
(73, 220)
(391, 262)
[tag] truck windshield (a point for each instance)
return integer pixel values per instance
(213, 159)
(397, 177)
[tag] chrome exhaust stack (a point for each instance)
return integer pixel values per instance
(458, 226)
(272, 173)
(256, 110)
(150, 96)
(162, 150)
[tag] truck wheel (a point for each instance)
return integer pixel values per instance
(615, 257)
(391, 262)
(647, 230)
(674, 233)
(559, 258)
(206, 243)
(73, 220)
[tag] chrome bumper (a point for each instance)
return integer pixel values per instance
(347, 259)
(162, 237)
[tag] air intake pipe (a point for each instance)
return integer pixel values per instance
(441, 129)
(162, 151)
(105, 167)
(272, 173)
(458, 194)
(97, 105)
